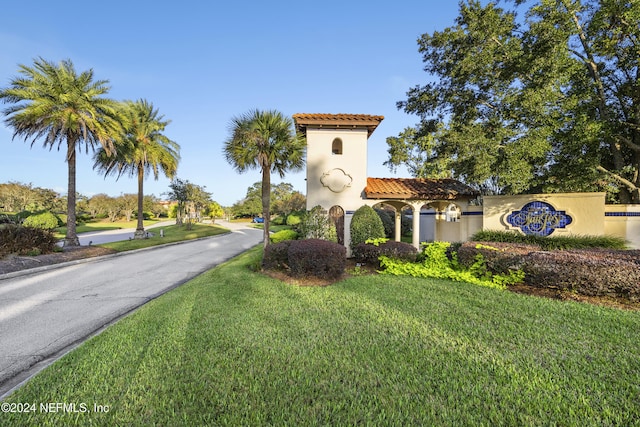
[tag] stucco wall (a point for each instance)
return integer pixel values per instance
(623, 220)
(585, 209)
(336, 179)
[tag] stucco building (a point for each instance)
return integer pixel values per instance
(337, 181)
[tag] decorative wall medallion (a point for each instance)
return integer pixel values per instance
(336, 180)
(539, 218)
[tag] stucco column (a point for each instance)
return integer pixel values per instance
(398, 236)
(416, 226)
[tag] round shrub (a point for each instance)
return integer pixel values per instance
(316, 257)
(276, 256)
(45, 220)
(365, 224)
(283, 235)
(294, 219)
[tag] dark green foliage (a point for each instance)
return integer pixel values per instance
(370, 253)
(316, 257)
(283, 235)
(595, 273)
(45, 220)
(16, 239)
(365, 224)
(388, 222)
(529, 96)
(551, 242)
(317, 225)
(276, 256)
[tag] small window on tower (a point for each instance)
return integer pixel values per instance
(336, 147)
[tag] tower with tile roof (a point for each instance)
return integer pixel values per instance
(336, 162)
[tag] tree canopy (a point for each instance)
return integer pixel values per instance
(530, 96)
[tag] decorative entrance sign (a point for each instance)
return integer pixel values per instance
(539, 218)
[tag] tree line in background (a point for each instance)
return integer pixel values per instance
(284, 200)
(187, 202)
(539, 96)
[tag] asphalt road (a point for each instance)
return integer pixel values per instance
(44, 315)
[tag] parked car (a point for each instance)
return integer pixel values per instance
(258, 220)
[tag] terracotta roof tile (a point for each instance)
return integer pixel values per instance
(417, 188)
(331, 121)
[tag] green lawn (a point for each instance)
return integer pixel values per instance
(233, 347)
(172, 233)
(105, 225)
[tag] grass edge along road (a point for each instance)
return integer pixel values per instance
(172, 234)
(234, 347)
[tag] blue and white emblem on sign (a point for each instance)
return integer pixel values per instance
(538, 218)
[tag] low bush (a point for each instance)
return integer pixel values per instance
(276, 256)
(594, 273)
(16, 239)
(283, 235)
(45, 220)
(316, 257)
(437, 264)
(551, 242)
(294, 219)
(370, 253)
(500, 258)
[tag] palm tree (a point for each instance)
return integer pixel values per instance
(146, 150)
(264, 140)
(53, 102)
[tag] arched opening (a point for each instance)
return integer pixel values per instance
(336, 213)
(336, 147)
(452, 213)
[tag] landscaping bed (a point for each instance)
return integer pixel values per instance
(12, 263)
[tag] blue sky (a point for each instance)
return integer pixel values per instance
(200, 63)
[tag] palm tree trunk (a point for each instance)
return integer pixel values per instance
(266, 202)
(140, 234)
(71, 238)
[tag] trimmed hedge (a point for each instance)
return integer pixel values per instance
(276, 255)
(370, 254)
(595, 273)
(316, 257)
(551, 242)
(16, 239)
(45, 220)
(283, 235)
(500, 258)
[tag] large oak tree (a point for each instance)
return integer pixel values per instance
(525, 97)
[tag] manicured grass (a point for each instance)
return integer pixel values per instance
(172, 233)
(104, 225)
(233, 347)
